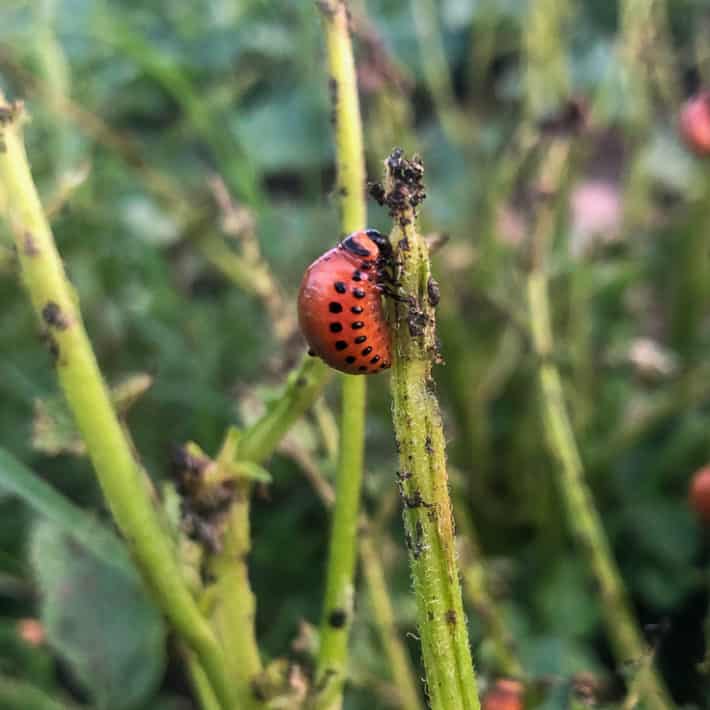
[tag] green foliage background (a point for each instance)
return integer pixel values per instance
(238, 88)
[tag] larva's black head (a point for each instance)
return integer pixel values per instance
(383, 243)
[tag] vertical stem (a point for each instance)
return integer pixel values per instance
(547, 74)
(233, 605)
(233, 613)
(383, 613)
(583, 518)
(342, 553)
(123, 481)
(338, 604)
(373, 568)
(423, 478)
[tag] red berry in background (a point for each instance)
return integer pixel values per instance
(340, 305)
(695, 123)
(505, 694)
(699, 494)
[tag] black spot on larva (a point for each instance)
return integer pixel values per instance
(311, 353)
(53, 316)
(336, 327)
(360, 339)
(357, 310)
(301, 382)
(375, 360)
(362, 368)
(367, 350)
(358, 293)
(337, 618)
(366, 266)
(450, 617)
(357, 325)
(357, 276)
(340, 287)
(350, 359)
(341, 345)
(335, 307)
(384, 365)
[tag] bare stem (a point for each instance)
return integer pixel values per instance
(331, 666)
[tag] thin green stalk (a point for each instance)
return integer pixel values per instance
(373, 568)
(583, 519)
(423, 479)
(338, 605)
(200, 682)
(304, 385)
(123, 480)
(547, 81)
(229, 599)
(331, 665)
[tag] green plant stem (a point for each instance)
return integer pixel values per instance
(583, 518)
(547, 80)
(383, 614)
(200, 682)
(331, 664)
(123, 481)
(229, 599)
(338, 605)
(303, 386)
(376, 581)
(234, 609)
(428, 517)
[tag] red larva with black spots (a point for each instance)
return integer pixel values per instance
(340, 305)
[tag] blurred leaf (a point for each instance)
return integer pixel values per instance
(43, 499)
(252, 471)
(33, 663)
(19, 695)
(99, 619)
(565, 599)
(295, 124)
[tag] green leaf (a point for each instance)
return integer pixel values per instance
(252, 471)
(95, 609)
(16, 478)
(99, 619)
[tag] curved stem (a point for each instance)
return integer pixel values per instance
(123, 480)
